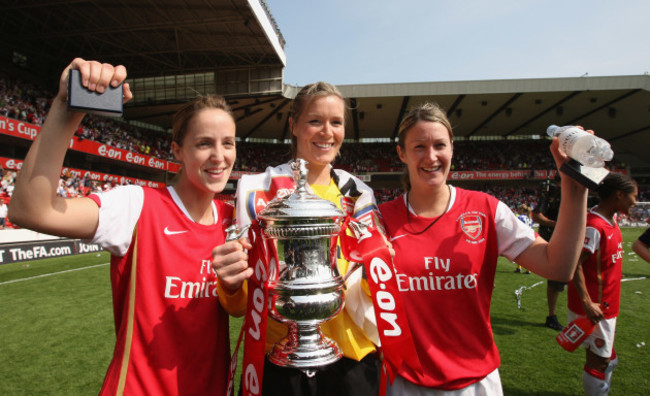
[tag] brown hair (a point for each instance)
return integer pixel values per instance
(185, 114)
(302, 100)
(428, 111)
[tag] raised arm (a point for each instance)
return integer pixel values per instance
(558, 258)
(34, 204)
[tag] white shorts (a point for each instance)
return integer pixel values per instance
(488, 386)
(601, 341)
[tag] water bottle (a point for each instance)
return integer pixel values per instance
(588, 149)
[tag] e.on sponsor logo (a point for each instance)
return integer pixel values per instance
(93, 176)
(381, 273)
(11, 164)
(108, 152)
(459, 175)
(72, 172)
(134, 158)
(258, 301)
(156, 163)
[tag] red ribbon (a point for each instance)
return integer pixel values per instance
(254, 328)
(370, 248)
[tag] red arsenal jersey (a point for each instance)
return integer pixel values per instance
(446, 276)
(603, 270)
(172, 335)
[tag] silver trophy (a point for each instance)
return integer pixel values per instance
(305, 289)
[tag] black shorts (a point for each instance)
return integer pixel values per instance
(345, 377)
(559, 286)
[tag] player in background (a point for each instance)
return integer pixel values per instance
(317, 125)
(172, 335)
(596, 287)
(523, 214)
(545, 214)
(447, 241)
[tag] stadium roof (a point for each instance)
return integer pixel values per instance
(617, 108)
(150, 37)
(176, 49)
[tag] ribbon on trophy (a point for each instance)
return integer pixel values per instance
(369, 247)
(254, 326)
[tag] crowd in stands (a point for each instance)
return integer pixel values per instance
(126, 137)
(23, 101)
(27, 102)
(468, 155)
(382, 157)
(513, 196)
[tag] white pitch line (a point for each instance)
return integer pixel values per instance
(51, 274)
(632, 279)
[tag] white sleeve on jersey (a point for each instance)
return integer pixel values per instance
(513, 235)
(592, 240)
(242, 217)
(118, 215)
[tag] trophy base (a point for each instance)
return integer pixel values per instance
(588, 177)
(307, 349)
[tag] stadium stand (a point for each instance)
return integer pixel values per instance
(24, 101)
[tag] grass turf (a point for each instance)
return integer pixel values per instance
(56, 327)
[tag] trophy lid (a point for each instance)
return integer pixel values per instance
(301, 203)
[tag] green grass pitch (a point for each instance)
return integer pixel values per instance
(56, 329)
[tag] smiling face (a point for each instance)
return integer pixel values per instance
(427, 153)
(626, 200)
(319, 130)
(207, 151)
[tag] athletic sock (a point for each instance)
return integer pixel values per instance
(594, 383)
(613, 362)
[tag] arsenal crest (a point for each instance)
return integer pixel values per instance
(472, 225)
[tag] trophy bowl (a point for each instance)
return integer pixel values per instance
(305, 289)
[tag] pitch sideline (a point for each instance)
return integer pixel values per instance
(51, 274)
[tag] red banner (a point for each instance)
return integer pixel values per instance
(14, 164)
(497, 175)
(263, 257)
(369, 247)
(24, 130)
(114, 153)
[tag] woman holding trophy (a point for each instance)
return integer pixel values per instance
(447, 241)
(317, 124)
(159, 239)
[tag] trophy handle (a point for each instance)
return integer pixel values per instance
(300, 171)
(233, 233)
